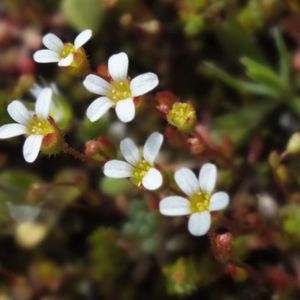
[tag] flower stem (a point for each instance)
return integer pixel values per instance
(78, 155)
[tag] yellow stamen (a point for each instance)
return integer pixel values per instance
(39, 126)
(67, 49)
(140, 170)
(119, 90)
(199, 202)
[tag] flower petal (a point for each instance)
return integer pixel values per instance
(208, 177)
(118, 66)
(199, 223)
(142, 84)
(152, 180)
(125, 110)
(45, 56)
(187, 181)
(98, 108)
(152, 146)
(130, 151)
(218, 201)
(43, 103)
(82, 38)
(32, 147)
(65, 62)
(96, 84)
(11, 130)
(174, 206)
(53, 42)
(23, 213)
(117, 169)
(19, 112)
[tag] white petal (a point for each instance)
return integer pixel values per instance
(187, 181)
(174, 206)
(53, 42)
(23, 213)
(98, 108)
(96, 84)
(199, 223)
(218, 201)
(130, 151)
(43, 103)
(65, 62)
(19, 112)
(32, 147)
(118, 66)
(46, 56)
(125, 110)
(117, 169)
(11, 130)
(208, 177)
(152, 146)
(82, 38)
(142, 84)
(152, 180)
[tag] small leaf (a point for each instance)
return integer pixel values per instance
(83, 14)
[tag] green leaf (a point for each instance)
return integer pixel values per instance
(284, 57)
(240, 85)
(83, 14)
(259, 72)
(240, 124)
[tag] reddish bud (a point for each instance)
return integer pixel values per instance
(52, 142)
(222, 246)
(237, 273)
(165, 100)
(100, 149)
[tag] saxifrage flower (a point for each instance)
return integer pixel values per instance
(38, 126)
(61, 53)
(120, 91)
(139, 168)
(199, 202)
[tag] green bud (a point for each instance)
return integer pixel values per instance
(182, 116)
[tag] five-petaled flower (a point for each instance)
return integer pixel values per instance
(140, 169)
(61, 53)
(200, 201)
(38, 126)
(120, 91)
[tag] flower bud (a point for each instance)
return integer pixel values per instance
(237, 273)
(222, 246)
(100, 149)
(293, 145)
(165, 100)
(274, 159)
(52, 142)
(182, 116)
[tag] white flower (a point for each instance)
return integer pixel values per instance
(140, 169)
(57, 111)
(34, 125)
(200, 201)
(58, 52)
(120, 92)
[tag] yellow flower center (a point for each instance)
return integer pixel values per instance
(139, 171)
(39, 126)
(119, 90)
(182, 116)
(67, 49)
(199, 202)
